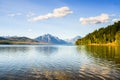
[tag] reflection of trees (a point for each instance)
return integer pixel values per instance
(47, 50)
(110, 53)
(105, 62)
(13, 49)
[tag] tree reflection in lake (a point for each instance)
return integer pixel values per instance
(13, 49)
(46, 50)
(109, 53)
(105, 61)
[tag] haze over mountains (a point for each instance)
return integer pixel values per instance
(43, 39)
(73, 40)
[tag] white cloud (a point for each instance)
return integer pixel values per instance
(103, 18)
(113, 15)
(116, 20)
(30, 14)
(15, 14)
(59, 12)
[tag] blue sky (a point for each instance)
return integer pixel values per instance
(62, 18)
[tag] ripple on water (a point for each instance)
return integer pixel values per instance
(57, 63)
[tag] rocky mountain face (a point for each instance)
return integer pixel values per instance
(50, 39)
(44, 39)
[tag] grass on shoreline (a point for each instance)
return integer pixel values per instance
(108, 44)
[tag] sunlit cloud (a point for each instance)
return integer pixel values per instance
(116, 20)
(57, 13)
(103, 18)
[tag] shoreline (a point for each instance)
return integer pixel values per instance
(108, 44)
(22, 43)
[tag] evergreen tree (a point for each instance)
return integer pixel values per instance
(110, 34)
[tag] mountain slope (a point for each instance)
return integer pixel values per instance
(108, 35)
(50, 39)
(17, 40)
(73, 40)
(2, 38)
(20, 39)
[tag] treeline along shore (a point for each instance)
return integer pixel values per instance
(109, 35)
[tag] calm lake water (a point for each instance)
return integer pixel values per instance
(55, 62)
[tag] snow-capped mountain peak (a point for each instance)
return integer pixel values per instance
(50, 39)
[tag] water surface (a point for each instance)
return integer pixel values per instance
(55, 62)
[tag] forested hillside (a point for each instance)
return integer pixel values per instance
(109, 34)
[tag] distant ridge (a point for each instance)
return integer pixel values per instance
(73, 40)
(18, 40)
(50, 39)
(2, 38)
(43, 39)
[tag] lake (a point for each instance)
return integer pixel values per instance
(59, 62)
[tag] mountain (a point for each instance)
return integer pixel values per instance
(20, 39)
(17, 40)
(2, 38)
(50, 39)
(108, 35)
(73, 40)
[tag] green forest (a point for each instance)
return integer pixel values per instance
(107, 35)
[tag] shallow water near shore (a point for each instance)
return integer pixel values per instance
(59, 62)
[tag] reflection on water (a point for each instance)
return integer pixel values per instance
(105, 61)
(13, 49)
(46, 50)
(110, 53)
(52, 62)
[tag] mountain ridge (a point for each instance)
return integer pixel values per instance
(42, 39)
(50, 39)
